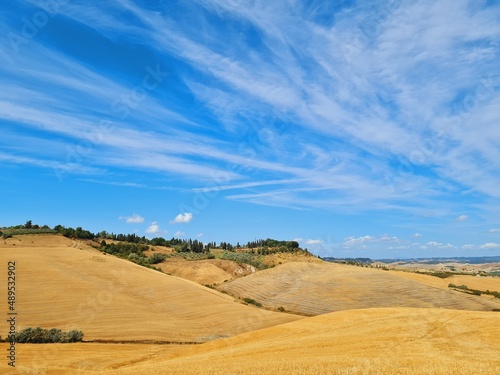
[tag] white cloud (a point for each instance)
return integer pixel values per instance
(352, 241)
(402, 247)
(182, 218)
(462, 218)
(313, 242)
(361, 241)
(339, 83)
(494, 230)
(468, 246)
(433, 243)
(179, 234)
(417, 235)
(490, 245)
(134, 219)
(153, 228)
(439, 245)
(199, 235)
(386, 238)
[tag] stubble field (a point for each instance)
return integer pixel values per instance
(373, 322)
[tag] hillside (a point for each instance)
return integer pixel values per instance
(65, 284)
(222, 266)
(372, 341)
(319, 288)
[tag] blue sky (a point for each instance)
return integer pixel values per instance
(359, 128)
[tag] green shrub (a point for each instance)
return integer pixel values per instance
(241, 258)
(157, 258)
(252, 302)
(42, 336)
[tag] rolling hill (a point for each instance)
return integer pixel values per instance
(319, 288)
(371, 341)
(65, 284)
(373, 321)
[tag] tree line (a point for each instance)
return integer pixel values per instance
(270, 243)
(262, 246)
(42, 336)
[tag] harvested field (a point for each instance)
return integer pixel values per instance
(319, 288)
(372, 341)
(60, 286)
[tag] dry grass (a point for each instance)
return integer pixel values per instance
(65, 284)
(110, 298)
(473, 282)
(372, 341)
(217, 271)
(319, 288)
(208, 271)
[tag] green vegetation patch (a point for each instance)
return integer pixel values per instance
(244, 258)
(475, 292)
(42, 336)
(251, 301)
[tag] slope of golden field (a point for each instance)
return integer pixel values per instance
(217, 271)
(207, 271)
(473, 282)
(372, 341)
(319, 288)
(109, 298)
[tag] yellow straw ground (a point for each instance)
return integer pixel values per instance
(371, 341)
(113, 299)
(319, 288)
(65, 284)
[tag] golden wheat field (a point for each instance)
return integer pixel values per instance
(319, 288)
(369, 341)
(208, 271)
(372, 322)
(68, 285)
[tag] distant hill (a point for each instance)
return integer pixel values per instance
(319, 288)
(433, 260)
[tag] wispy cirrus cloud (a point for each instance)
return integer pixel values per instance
(347, 118)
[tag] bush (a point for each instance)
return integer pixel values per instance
(241, 258)
(42, 336)
(252, 302)
(157, 258)
(124, 249)
(442, 275)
